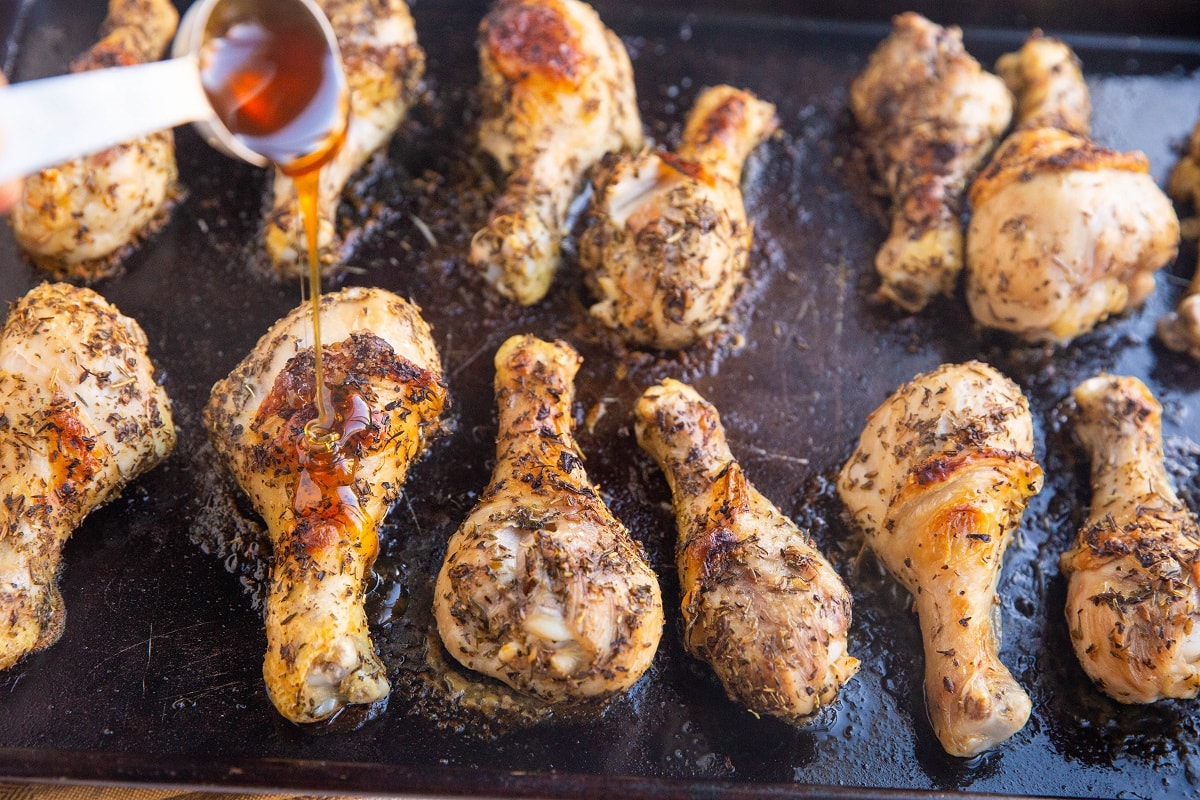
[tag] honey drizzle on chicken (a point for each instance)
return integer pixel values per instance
(760, 603)
(81, 416)
(1180, 329)
(541, 587)
(323, 510)
(938, 484)
(1063, 232)
(929, 117)
(667, 242)
(1133, 575)
(384, 66)
(557, 94)
(78, 220)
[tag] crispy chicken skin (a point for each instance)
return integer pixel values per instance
(760, 602)
(1133, 602)
(1180, 329)
(541, 587)
(82, 416)
(938, 484)
(929, 117)
(1063, 232)
(384, 66)
(557, 94)
(666, 240)
(78, 220)
(323, 511)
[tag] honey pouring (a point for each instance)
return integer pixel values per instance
(261, 80)
(273, 74)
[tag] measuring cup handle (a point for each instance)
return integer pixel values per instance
(49, 121)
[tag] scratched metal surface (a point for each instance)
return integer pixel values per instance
(157, 678)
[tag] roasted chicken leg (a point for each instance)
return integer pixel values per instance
(323, 509)
(760, 602)
(938, 484)
(929, 117)
(1180, 329)
(82, 416)
(79, 219)
(542, 587)
(666, 241)
(557, 92)
(1133, 576)
(384, 66)
(1063, 232)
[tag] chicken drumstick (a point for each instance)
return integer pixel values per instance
(1133, 576)
(83, 416)
(760, 602)
(938, 484)
(542, 588)
(557, 89)
(323, 509)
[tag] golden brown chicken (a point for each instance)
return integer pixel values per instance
(666, 241)
(82, 416)
(760, 602)
(1180, 329)
(1046, 78)
(1063, 232)
(557, 93)
(938, 483)
(78, 220)
(1133, 576)
(384, 66)
(323, 509)
(541, 587)
(929, 117)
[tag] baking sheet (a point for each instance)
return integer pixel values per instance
(157, 678)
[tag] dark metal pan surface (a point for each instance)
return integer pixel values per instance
(158, 676)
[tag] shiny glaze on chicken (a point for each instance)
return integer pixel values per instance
(323, 509)
(760, 603)
(78, 220)
(557, 94)
(938, 484)
(1133, 575)
(667, 241)
(82, 417)
(541, 587)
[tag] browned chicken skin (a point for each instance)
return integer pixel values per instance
(323, 510)
(1046, 78)
(79, 219)
(760, 602)
(938, 483)
(929, 117)
(384, 66)
(83, 416)
(1063, 232)
(1133, 576)
(557, 92)
(667, 241)
(542, 588)
(1180, 329)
